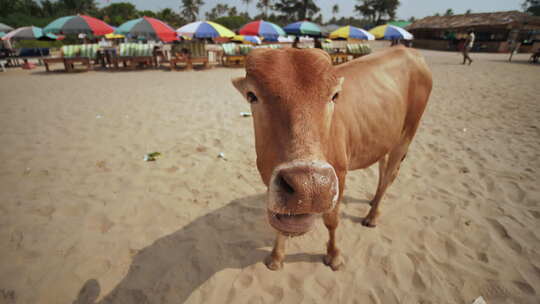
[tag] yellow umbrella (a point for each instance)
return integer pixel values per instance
(379, 31)
(114, 36)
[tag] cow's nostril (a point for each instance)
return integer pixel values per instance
(284, 185)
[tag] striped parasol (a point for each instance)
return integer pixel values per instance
(303, 28)
(268, 30)
(204, 29)
(388, 31)
(5, 28)
(149, 28)
(78, 24)
(28, 33)
(348, 32)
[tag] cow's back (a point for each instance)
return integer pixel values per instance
(383, 95)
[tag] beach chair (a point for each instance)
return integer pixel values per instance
(72, 55)
(336, 56)
(133, 54)
(235, 54)
(358, 50)
(197, 54)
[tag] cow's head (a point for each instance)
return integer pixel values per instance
(292, 95)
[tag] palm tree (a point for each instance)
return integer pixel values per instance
(263, 6)
(335, 10)
(190, 9)
(247, 2)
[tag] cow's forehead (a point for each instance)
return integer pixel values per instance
(290, 71)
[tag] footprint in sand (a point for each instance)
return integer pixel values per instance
(504, 235)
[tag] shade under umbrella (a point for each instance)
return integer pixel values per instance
(28, 33)
(268, 30)
(388, 31)
(5, 28)
(348, 32)
(204, 29)
(303, 28)
(78, 24)
(149, 28)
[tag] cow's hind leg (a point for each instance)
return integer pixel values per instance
(388, 170)
(333, 257)
(275, 260)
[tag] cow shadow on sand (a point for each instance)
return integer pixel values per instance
(173, 267)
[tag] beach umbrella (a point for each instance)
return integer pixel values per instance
(303, 28)
(28, 33)
(2, 34)
(245, 38)
(114, 36)
(389, 31)
(327, 29)
(204, 29)
(348, 31)
(148, 27)
(5, 28)
(78, 24)
(268, 30)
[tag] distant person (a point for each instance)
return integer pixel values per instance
(514, 46)
(469, 42)
(296, 42)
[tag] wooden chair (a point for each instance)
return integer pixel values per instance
(70, 55)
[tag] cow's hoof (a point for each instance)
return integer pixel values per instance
(273, 264)
(334, 262)
(369, 222)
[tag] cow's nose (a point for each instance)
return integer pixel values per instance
(306, 188)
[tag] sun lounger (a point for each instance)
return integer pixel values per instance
(71, 54)
(133, 54)
(197, 54)
(336, 56)
(358, 50)
(235, 54)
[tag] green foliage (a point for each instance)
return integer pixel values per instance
(190, 9)
(118, 13)
(38, 44)
(297, 9)
(449, 12)
(469, 11)
(264, 6)
(377, 11)
(532, 7)
(232, 22)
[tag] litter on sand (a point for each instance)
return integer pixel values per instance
(479, 300)
(222, 156)
(245, 114)
(152, 156)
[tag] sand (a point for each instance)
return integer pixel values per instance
(84, 219)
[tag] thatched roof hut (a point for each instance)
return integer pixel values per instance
(492, 30)
(507, 20)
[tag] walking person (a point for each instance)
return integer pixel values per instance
(514, 47)
(469, 42)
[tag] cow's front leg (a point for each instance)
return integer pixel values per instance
(275, 260)
(333, 257)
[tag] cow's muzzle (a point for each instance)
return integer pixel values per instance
(298, 191)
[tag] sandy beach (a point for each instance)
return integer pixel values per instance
(83, 219)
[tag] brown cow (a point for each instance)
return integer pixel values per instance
(313, 122)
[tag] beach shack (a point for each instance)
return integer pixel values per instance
(493, 31)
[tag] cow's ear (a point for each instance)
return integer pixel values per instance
(239, 84)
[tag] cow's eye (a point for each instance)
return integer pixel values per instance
(251, 97)
(335, 97)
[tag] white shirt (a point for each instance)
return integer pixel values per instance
(471, 37)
